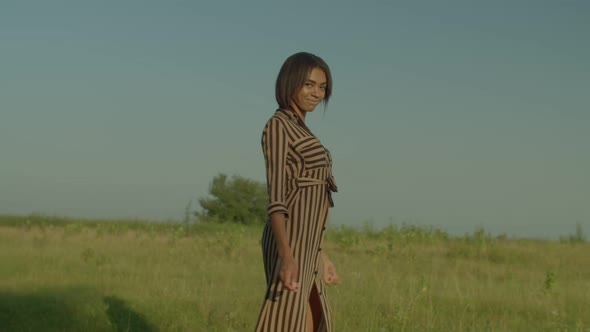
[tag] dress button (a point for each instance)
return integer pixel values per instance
(324, 228)
(320, 249)
(315, 272)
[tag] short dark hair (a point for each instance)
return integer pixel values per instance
(293, 75)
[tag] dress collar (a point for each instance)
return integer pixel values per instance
(290, 113)
(294, 116)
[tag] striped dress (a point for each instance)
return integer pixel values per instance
(300, 185)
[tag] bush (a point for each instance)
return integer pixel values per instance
(238, 200)
(578, 237)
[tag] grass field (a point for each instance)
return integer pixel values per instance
(68, 275)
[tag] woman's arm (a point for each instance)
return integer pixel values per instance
(288, 266)
(275, 146)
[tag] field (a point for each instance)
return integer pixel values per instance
(71, 275)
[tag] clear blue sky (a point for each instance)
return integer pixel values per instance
(457, 114)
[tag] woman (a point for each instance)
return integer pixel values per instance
(300, 186)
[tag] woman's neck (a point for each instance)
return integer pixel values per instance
(299, 113)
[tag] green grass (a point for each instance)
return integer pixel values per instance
(60, 274)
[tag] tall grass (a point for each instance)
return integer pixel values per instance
(61, 274)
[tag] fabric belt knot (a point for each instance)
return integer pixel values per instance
(330, 184)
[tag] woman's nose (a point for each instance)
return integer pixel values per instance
(316, 92)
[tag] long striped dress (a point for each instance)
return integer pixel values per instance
(300, 185)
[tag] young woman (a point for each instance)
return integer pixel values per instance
(300, 186)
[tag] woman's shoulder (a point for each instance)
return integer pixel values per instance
(281, 114)
(279, 118)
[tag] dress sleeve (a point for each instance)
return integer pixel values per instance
(275, 146)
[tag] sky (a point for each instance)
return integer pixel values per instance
(454, 114)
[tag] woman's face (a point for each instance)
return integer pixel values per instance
(312, 92)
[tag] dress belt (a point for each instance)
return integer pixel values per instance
(330, 184)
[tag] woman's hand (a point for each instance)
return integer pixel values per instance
(288, 273)
(330, 275)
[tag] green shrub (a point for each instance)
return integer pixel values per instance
(578, 237)
(238, 200)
